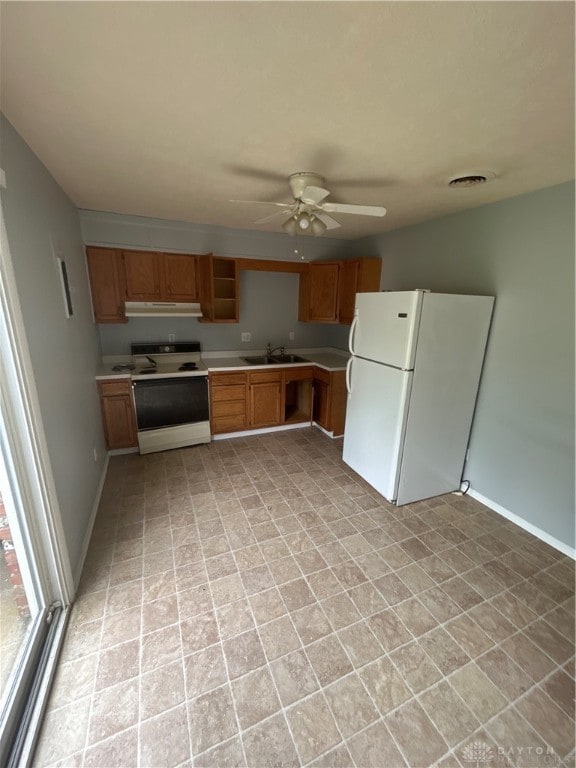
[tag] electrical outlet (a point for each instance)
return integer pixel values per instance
(95, 452)
(246, 336)
(171, 337)
(291, 335)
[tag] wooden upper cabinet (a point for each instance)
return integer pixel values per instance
(319, 292)
(180, 277)
(106, 272)
(357, 276)
(143, 275)
(218, 289)
(348, 282)
(152, 276)
(328, 289)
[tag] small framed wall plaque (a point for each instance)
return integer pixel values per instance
(68, 309)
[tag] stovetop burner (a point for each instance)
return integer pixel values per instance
(160, 360)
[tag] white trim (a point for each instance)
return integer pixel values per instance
(519, 521)
(26, 416)
(122, 451)
(27, 754)
(91, 521)
(262, 431)
(331, 435)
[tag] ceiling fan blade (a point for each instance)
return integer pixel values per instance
(260, 202)
(314, 195)
(359, 210)
(328, 220)
(273, 216)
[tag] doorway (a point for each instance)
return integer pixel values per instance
(35, 579)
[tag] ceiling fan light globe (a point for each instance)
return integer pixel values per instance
(304, 221)
(290, 226)
(318, 227)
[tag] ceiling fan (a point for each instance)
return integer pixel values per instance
(308, 213)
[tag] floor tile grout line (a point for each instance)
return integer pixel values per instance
(270, 673)
(140, 659)
(228, 685)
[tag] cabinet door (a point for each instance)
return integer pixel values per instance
(264, 404)
(357, 276)
(348, 288)
(321, 404)
(324, 292)
(143, 275)
(106, 284)
(119, 423)
(338, 400)
(180, 277)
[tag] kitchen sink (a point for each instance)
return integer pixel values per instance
(259, 360)
(290, 359)
(275, 360)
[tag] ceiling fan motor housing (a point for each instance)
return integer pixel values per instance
(299, 182)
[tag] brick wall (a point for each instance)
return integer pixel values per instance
(9, 554)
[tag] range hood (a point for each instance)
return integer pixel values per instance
(163, 309)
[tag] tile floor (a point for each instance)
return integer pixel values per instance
(254, 603)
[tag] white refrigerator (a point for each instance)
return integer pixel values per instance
(412, 379)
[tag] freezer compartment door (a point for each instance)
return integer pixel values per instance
(375, 422)
(385, 327)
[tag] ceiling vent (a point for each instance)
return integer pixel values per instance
(470, 179)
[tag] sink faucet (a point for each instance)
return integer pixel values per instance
(270, 351)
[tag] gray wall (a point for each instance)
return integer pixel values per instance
(268, 301)
(41, 220)
(268, 311)
(520, 250)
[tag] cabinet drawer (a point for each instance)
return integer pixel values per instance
(229, 408)
(118, 387)
(219, 394)
(322, 375)
(228, 423)
(261, 377)
(223, 379)
(297, 374)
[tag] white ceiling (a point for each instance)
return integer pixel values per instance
(171, 109)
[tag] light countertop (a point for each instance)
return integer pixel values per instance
(330, 360)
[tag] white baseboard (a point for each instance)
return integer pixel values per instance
(91, 522)
(538, 532)
(328, 434)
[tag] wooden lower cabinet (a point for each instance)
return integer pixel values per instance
(118, 415)
(271, 398)
(227, 402)
(330, 400)
(265, 399)
(297, 400)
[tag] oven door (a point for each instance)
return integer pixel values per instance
(171, 402)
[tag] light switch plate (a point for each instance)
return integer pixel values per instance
(246, 336)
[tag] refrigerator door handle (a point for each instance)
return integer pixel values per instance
(351, 334)
(349, 376)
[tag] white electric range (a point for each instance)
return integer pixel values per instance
(170, 386)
